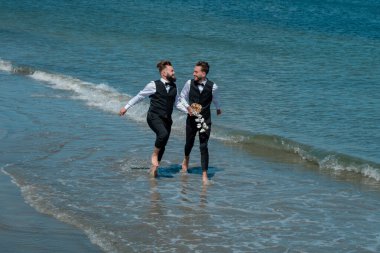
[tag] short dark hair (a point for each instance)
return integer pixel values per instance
(204, 66)
(162, 65)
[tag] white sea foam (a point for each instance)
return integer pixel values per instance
(371, 172)
(39, 203)
(5, 66)
(102, 242)
(331, 162)
(100, 96)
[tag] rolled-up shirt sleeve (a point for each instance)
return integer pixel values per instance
(149, 89)
(182, 102)
(215, 96)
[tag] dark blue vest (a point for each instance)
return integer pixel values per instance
(204, 98)
(162, 102)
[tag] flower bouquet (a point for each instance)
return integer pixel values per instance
(201, 124)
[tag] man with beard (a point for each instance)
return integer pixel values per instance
(200, 91)
(163, 94)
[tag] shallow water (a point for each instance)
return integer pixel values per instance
(294, 156)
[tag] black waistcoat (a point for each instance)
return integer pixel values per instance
(204, 98)
(162, 102)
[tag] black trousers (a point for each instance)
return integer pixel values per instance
(161, 127)
(191, 132)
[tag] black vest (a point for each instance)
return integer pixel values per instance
(204, 98)
(162, 102)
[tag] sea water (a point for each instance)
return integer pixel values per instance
(294, 157)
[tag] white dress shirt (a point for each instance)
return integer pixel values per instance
(149, 89)
(183, 101)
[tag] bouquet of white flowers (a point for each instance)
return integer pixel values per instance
(201, 124)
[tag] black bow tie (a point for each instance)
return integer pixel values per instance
(202, 84)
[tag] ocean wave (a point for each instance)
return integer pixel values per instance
(106, 98)
(32, 197)
(285, 150)
(100, 96)
(21, 70)
(5, 66)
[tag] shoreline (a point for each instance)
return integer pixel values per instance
(23, 229)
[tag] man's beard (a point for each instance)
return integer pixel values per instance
(171, 78)
(198, 78)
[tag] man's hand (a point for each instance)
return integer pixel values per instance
(218, 112)
(190, 110)
(122, 111)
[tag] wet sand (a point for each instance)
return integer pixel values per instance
(23, 229)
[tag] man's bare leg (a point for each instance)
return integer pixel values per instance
(185, 164)
(155, 157)
(204, 177)
(155, 163)
(153, 171)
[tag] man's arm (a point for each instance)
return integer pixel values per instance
(148, 90)
(182, 102)
(215, 99)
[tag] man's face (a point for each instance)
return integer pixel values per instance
(198, 74)
(169, 74)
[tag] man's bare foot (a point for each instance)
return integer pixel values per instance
(155, 157)
(205, 178)
(185, 164)
(155, 160)
(153, 171)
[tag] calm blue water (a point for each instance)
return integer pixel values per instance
(295, 155)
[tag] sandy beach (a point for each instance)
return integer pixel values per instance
(22, 229)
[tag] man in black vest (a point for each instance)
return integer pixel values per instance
(202, 91)
(163, 95)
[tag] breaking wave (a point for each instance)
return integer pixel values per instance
(106, 98)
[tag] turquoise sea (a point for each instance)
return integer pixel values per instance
(294, 158)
